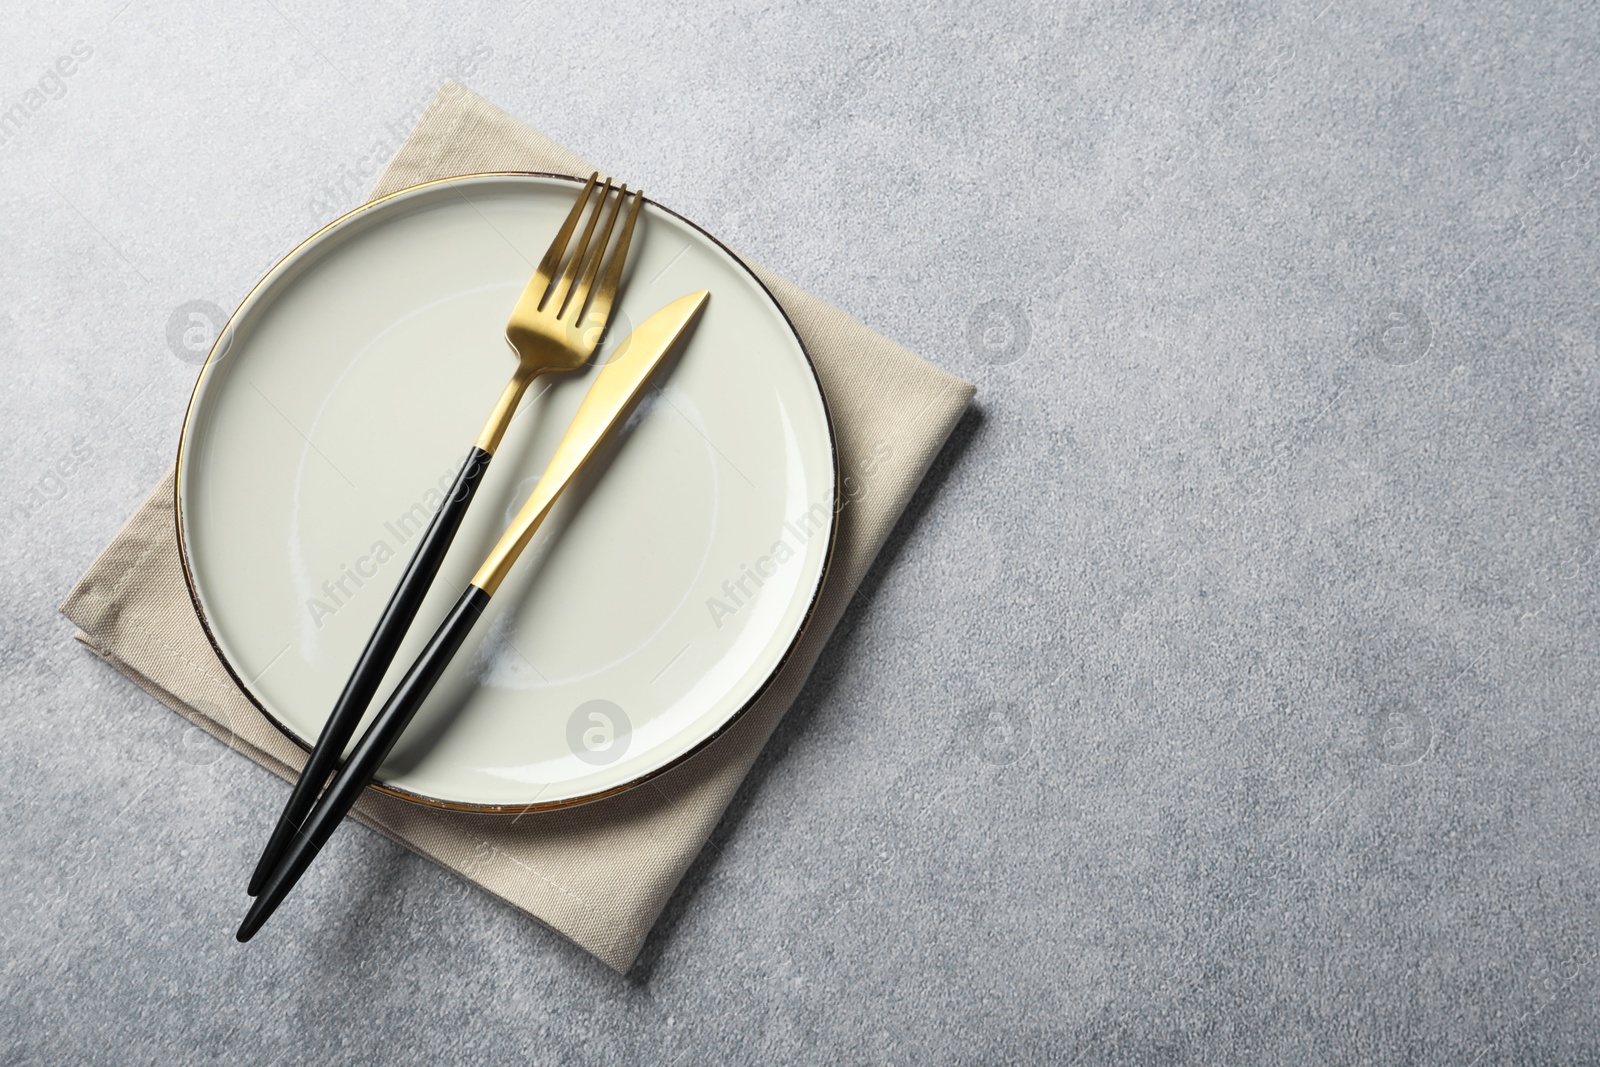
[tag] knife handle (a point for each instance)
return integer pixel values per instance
(375, 659)
(368, 756)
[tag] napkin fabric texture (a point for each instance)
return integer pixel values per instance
(599, 873)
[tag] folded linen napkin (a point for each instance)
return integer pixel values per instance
(599, 873)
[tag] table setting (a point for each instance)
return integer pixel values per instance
(280, 588)
(1033, 534)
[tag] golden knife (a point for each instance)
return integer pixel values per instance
(615, 388)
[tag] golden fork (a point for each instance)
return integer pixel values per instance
(556, 325)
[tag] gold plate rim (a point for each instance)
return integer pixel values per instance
(535, 806)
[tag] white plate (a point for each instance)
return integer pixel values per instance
(650, 611)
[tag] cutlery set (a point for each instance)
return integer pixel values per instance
(556, 326)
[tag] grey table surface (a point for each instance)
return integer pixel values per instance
(1227, 693)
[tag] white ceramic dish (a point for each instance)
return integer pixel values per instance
(660, 598)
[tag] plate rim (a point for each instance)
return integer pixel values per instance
(442, 803)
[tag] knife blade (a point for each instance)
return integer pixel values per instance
(612, 394)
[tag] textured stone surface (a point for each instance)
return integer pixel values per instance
(1225, 696)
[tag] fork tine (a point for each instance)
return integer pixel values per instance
(539, 284)
(580, 292)
(601, 306)
(558, 295)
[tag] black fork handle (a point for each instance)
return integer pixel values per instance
(375, 659)
(368, 756)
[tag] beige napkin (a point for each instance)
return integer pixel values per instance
(600, 873)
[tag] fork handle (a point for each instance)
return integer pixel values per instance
(375, 659)
(369, 754)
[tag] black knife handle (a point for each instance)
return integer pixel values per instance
(375, 659)
(369, 754)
